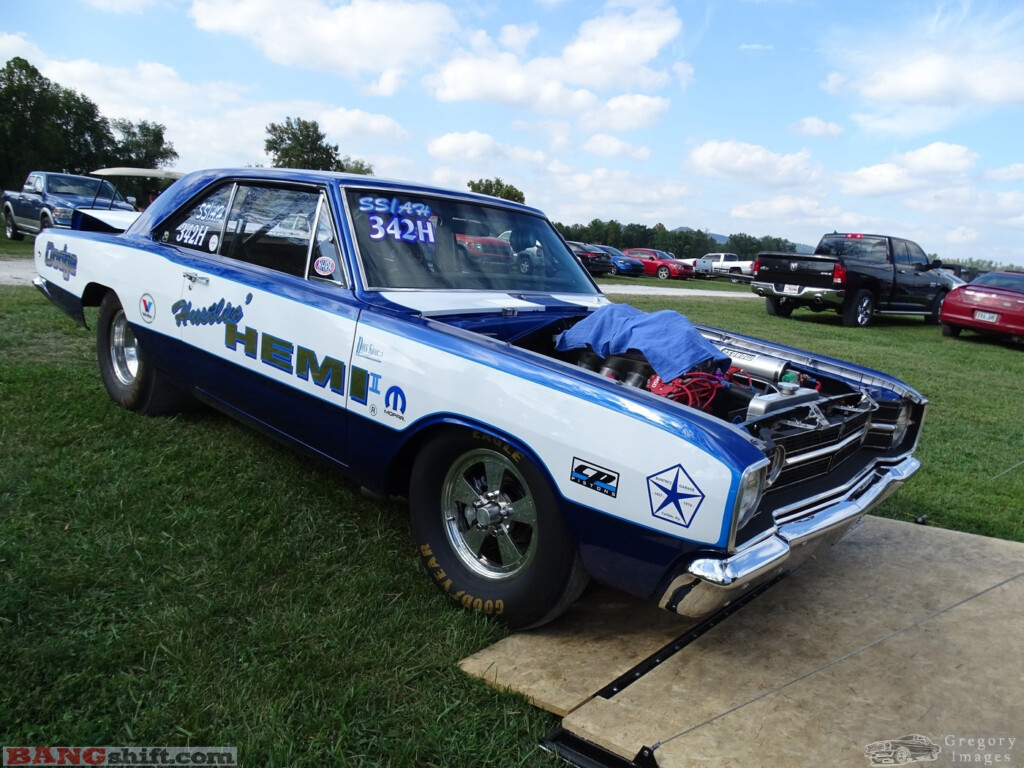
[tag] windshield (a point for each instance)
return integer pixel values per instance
(1012, 280)
(434, 243)
(81, 185)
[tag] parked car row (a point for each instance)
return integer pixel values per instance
(860, 276)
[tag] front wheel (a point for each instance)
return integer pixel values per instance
(664, 273)
(489, 530)
(130, 379)
(932, 318)
(857, 311)
(10, 228)
(525, 265)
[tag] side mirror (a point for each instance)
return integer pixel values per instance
(131, 200)
(936, 263)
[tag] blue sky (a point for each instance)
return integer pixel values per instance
(770, 117)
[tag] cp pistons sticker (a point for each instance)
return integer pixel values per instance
(595, 477)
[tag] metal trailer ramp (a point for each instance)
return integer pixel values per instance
(899, 630)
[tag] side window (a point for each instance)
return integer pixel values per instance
(325, 259)
(198, 227)
(271, 227)
(917, 254)
(900, 254)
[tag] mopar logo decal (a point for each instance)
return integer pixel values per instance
(60, 259)
(594, 477)
(394, 403)
(674, 496)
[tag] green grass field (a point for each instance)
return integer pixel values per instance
(184, 580)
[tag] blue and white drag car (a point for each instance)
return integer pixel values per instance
(541, 434)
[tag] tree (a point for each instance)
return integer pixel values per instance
(351, 164)
(300, 143)
(45, 126)
(141, 145)
(497, 188)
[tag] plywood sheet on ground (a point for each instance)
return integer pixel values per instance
(899, 629)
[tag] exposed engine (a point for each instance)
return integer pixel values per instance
(809, 423)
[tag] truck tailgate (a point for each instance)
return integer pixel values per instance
(795, 269)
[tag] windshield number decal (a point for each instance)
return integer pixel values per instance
(402, 229)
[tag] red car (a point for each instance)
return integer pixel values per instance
(992, 303)
(660, 263)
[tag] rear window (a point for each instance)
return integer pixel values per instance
(1013, 281)
(860, 248)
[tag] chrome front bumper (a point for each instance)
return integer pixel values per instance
(826, 297)
(709, 583)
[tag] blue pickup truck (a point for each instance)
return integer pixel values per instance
(49, 199)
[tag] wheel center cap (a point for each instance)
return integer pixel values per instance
(489, 511)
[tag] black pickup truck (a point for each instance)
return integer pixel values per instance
(855, 275)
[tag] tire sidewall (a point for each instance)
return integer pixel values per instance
(130, 396)
(518, 601)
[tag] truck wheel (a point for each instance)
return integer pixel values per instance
(734, 276)
(857, 312)
(951, 330)
(778, 306)
(664, 273)
(10, 228)
(489, 531)
(932, 318)
(130, 379)
(45, 222)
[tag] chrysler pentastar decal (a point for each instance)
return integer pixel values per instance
(674, 496)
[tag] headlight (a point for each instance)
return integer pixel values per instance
(902, 425)
(62, 213)
(751, 490)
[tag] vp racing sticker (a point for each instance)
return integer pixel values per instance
(674, 496)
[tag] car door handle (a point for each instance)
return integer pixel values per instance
(194, 278)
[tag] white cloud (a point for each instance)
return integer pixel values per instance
(515, 37)
(815, 126)
(757, 47)
(611, 52)
(474, 146)
(943, 80)
(881, 179)
(961, 235)
(1013, 172)
(611, 146)
(785, 207)
(626, 112)
(684, 73)
(347, 123)
(939, 157)
(18, 45)
(753, 164)
(363, 38)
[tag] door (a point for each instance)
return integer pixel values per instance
(267, 311)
